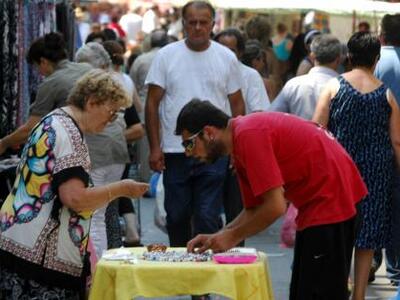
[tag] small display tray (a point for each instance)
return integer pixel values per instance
(236, 256)
(119, 254)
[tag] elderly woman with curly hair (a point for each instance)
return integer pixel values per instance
(108, 152)
(44, 222)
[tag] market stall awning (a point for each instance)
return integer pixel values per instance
(330, 6)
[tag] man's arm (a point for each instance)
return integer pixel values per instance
(20, 135)
(154, 97)
(237, 103)
(249, 222)
(260, 217)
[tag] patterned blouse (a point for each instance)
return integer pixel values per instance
(39, 236)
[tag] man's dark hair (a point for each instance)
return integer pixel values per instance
(199, 4)
(364, 48)
(364, 26)
(109, 34)
(115, 51)
(252, 50)
(95, 36)
(236, 34)
(197, 113)
(259, 28)
(390, 27)
(158, 38)
(50, 46)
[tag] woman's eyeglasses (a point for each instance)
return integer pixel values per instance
(190, 142)
(113, 114)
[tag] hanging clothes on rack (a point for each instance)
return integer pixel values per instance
(8, 65)
(22, 22)
(66, 24)
(38, 18)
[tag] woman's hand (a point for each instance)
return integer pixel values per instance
(134, 189)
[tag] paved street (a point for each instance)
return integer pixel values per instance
(268, 241)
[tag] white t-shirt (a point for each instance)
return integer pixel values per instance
(84, 31)
(212, 75)
(128, 84)
(150, 21)
(175, 28)
(253, 90)
(131, 23)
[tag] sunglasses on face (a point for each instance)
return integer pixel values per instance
(190, 142)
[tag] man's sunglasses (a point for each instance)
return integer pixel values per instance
(190, 142)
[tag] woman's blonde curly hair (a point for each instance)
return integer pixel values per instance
(100, 85)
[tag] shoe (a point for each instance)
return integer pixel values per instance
(132, 237)
(394, 283)
(371, 276)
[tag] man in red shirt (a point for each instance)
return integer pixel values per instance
(114, 25)
(279, 156)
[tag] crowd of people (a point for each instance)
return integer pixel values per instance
(239, 122)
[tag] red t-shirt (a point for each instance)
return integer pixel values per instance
(318, 176)
(115, 26)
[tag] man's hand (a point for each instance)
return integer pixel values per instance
(156, 160)
(217, 242)
(20, 135)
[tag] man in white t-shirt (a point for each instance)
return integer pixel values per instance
(253, 88)
(151, 19)
(193, 68)
(131, 23)
(256, 99)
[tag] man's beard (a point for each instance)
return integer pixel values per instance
(215, 150)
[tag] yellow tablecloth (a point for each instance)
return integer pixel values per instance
(123, 281)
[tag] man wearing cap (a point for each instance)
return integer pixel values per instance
(307, 63)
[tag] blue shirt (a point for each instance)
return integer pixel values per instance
(388, 69)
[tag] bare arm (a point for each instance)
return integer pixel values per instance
(134, 132)
(154, 97)
(253, 220)
(247, 223)
(137, 102)
(394, 126)
(237, 103)
(321, 114)
(20, 135)
(75, 195)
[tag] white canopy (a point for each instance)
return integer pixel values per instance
(330, 6)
